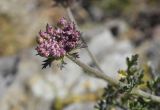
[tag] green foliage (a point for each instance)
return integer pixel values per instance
(154, 86)
(121, 96)
(134, 75)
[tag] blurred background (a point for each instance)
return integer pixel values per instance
(113, 29)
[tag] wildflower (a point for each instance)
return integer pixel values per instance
(56, 42)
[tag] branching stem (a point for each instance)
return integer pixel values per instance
(114, 82)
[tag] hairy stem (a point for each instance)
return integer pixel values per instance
(113, 82)
(88, 50)
(94, 72)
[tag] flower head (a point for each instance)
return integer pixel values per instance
(56, 42)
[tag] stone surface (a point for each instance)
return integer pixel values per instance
(152, 53)
(101, 42)
(81, 106)
(110, 52)
(8, 72)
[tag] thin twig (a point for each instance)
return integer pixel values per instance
(114, 82)
(87, 48)
(146, 95)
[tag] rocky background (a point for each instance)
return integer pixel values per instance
(113, 29)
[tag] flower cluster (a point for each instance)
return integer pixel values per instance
(57, 41)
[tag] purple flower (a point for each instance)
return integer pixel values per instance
(58, 41)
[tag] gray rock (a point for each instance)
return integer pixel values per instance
(153, 53)
(81, 106)
(117, 27)
(8, 72)
(96, 13)
(111, 53)
(101, 42)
